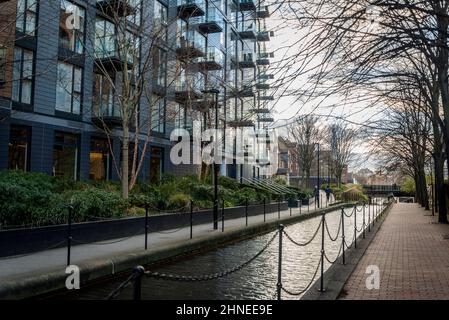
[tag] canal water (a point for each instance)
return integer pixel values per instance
(255, 281)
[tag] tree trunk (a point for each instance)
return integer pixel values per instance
(125, 161)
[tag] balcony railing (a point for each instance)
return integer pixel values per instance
(245, 5)
(248, 31)
(262, 85)
(263, 12)
(108, 115)
(122, 8)
(263, 58)
(108, 57)
(266, 96)
(213, 60)
(190, 8)
(191, 44)
(212, 22)
(264, 35)
(247, 60)
(189, 88)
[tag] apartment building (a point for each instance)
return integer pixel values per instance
(66, 66)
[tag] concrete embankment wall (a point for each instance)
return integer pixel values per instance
(48, 281)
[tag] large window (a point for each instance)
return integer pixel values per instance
(160, 20)
(68, 88)
(71, 26)
(100, 159)
(180, 117)
(19, 148)
(160, 67)
(26, 16)
(23, 75)
(158, 114)
(65, 155)
(103, 97)
(105, 44)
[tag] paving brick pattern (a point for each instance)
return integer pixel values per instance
(412, 256)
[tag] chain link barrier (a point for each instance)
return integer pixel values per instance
(208, 277)
(298, 293)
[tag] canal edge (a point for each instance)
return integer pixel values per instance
(48, 281)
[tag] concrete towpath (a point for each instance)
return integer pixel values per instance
(412, 254)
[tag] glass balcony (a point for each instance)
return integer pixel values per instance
(266, 119)
(191, 44)
(189, 88)
(212, 22)
(263, 12)
(106, 115)
(108, 57)
(122, 8)
(266, 96)
(245, 5)
(248, 30)
(263, 58)
(190, 8)
(262, 85)
(214, 59)
(247, 60)
(264, 35)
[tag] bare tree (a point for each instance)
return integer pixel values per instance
(341, 140)
(305, 133)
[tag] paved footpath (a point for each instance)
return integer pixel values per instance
(412, 256)
(18, 266)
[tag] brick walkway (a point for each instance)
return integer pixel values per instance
(412, 256)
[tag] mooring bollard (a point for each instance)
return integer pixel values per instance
(279, 284)
(191, 219)
(343, 243)
(355, 226)
(246, 211)
(323, 222)
(146, 227)
(222, 216)
(137, 282)
(69, 234)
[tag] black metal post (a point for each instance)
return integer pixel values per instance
(216, 92)
(146, 227)
(279, 284)
(308, 206)
(246, 211)
(191, 219)
(323, 221)
(369, 219)
(343, 243)
(222, 216)
(290, 211)
(363, 223)
(69, 234)
(264, 210)
(137, 290)
(300, 206)
(355, 226)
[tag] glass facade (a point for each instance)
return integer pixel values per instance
(22, 88)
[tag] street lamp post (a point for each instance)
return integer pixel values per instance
(215, 166)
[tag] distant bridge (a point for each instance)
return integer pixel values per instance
(376, 190)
